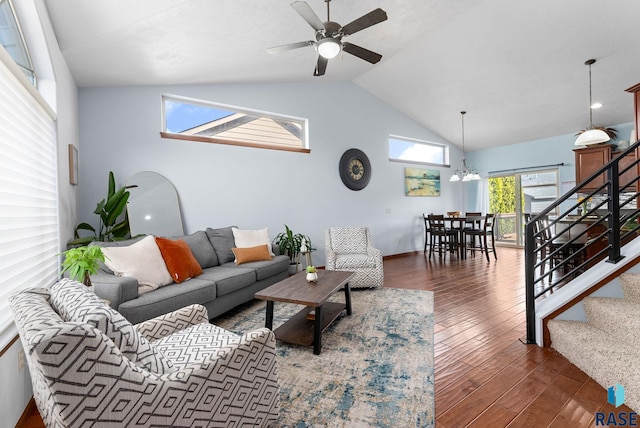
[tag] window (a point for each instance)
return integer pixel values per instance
(416, 151)
(517, 195)
(29, 233)
(540, 190)
(196, 120)
(13, 41)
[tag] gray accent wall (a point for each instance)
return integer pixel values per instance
(220, 185)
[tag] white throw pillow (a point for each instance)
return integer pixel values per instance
(142, 261)
(252, 238)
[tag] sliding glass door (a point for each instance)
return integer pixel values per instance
(513, 197)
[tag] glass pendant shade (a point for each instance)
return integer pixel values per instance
(328, 48)
(592, 136)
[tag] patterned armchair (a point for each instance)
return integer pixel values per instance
(90, 367)
(350, 249)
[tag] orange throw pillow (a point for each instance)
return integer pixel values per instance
(180, 261)
(251, 254)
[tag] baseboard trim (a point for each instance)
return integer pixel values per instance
(395, 256)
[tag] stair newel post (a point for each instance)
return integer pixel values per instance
(529, 262)
(614, 212)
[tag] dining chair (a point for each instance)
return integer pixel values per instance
(472, 220)
(442, 239)
(482, 236)
(426, 230)
(542, 239)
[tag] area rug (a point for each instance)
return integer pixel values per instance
(375, 369)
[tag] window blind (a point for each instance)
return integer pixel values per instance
(29, 232)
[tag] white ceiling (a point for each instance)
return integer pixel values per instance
(516, 66)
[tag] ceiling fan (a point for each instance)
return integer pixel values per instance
(329, 36)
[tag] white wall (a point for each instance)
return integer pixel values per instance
(222, 185)
(16, 389)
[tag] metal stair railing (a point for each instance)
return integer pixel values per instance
(554, 256)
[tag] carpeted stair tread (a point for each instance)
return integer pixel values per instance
(605, 358)
(630, 285)
(617, 317)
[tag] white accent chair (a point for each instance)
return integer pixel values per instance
(90, 367)
(350, 249)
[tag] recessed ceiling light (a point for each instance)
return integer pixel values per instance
(596, 105)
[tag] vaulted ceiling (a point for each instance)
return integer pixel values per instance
(516, 67)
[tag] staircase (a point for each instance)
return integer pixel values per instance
(600, 231)
(606, 346)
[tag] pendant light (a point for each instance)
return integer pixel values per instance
(591, 135)
(466, 173)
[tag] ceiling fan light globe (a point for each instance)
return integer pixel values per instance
(592, 136)
(329, 48)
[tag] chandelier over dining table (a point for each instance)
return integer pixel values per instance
(466, 173)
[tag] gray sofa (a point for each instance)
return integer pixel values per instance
(222, 285)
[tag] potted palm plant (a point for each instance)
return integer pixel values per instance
(113, 220)
(290, 245)
(82, 262)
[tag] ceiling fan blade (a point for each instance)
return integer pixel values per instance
(290, 46)
(372, 18)
(361, 52)
(305, 11)
(321, 66)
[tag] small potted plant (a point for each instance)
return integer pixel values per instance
(312, 274)
(82, 262)
(290, 244)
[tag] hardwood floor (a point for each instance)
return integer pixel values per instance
(485, 375)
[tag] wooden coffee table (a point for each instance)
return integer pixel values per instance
(299, 329)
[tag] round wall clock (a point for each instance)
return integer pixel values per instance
(355, 169)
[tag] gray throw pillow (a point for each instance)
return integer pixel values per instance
(222, 241)
(201, 248)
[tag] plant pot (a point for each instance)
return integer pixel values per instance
(312, 276)
(293, 269)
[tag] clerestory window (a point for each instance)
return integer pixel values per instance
(12, 39)
(203, 121)
(402, 149)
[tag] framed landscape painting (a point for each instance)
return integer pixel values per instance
(421, 182)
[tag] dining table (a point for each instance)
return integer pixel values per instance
(459, 223)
